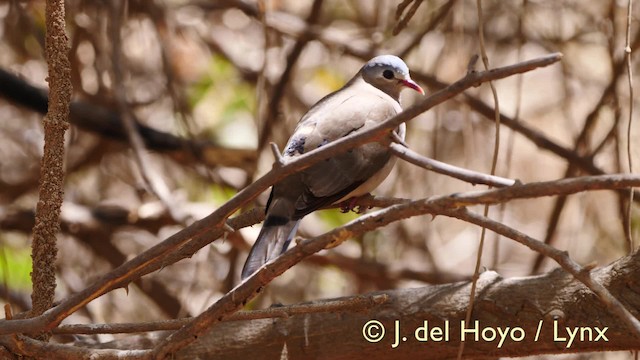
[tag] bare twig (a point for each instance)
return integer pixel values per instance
(403, 21)
(583, 274)
(352, 304)
(397, 139)
(401, 7)
(511, 135)
(153, 181)
(279, 160)
(627, 50)
(579, 149)
(279, 90)
(438, 17)
(494, 164)
(470, 176)
(384, 276)
(41, 350)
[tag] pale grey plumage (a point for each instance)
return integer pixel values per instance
(369, 98)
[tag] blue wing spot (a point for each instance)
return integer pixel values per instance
(297, 145)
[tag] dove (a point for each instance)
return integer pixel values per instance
(369, 98)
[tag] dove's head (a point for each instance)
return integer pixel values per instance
(389, 74)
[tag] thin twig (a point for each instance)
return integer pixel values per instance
(439, 167)
(153, 181)
(279, 160)
(401, 7)
(579, 148)
(403, 21)
(494, 164)
(40, 350)
(351, 304)
(292, 58)
(583, 274)
(627, 50)
(439, 17)
(397, 139)
(511, 135)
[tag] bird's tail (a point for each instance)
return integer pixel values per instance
(274, 238)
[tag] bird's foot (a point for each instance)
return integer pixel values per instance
(352, 204)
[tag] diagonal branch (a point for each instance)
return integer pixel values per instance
(583, 274)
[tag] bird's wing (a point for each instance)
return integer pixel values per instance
(349, 110)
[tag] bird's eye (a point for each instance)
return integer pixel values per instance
(388, 74)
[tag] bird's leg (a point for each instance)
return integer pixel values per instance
(352, 203)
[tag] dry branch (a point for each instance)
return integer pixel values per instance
(469, 176)
(56, 122)
(351, 304)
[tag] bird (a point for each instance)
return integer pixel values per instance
(370, 97)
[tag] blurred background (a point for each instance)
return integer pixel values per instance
(213, 82)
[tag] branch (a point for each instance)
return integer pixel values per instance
(56, 122)
(439, 167)
(351, 304)
(40, 350)
(561, 257)
(248, 289)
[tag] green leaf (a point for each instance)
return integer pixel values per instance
(15, 266)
